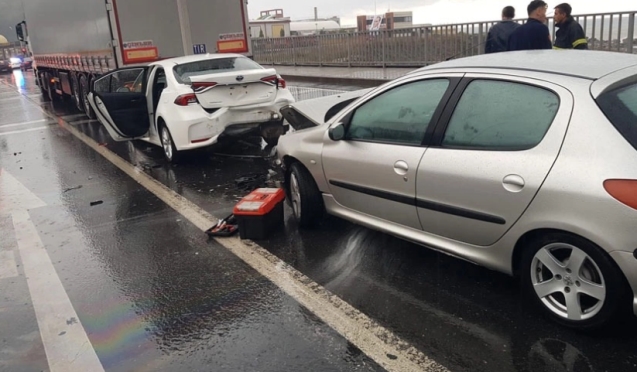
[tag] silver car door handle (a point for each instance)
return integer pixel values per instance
(513, 183)
(401, 167)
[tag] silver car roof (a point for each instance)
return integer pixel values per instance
(587, 64)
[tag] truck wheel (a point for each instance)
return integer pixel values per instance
(77, 97)
(50, 89)
(305, 197)
(84, 89)
(43, 87)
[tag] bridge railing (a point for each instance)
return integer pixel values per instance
(419, 46)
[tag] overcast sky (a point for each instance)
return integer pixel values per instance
(425, 11)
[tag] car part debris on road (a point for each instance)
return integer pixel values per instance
(224, 228)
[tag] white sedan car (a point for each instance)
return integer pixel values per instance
(190, 102)
(16, 63)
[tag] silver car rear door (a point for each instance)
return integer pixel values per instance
(490, 155)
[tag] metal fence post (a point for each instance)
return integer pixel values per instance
(271, 42)
(294, 50)
(426, 45)
(631, 33)
(349, 49)
(382, 42)
(320, 50)
(480, 38)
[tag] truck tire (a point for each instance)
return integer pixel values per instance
(84, 89)
(77, 97)
(50, 89)
(43, 87)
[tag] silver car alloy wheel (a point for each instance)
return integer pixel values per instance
(166, 143)
(295, 193)
(568, 281)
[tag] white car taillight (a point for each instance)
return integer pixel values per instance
(275, 80)
(186, 99)
(200, 87)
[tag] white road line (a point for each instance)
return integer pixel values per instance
(22, 123)
(66, 343)
(377, 342)
(8, 267)
(23, 131)
(68, 348)
(78, 122)
(3, 99)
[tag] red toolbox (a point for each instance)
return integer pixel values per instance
(260, 213)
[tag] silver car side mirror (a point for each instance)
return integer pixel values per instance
(337, 132)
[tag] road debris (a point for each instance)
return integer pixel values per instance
(72, 188)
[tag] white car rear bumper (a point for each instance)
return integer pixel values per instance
(193, 127)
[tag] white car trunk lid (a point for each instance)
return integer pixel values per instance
(238, 88)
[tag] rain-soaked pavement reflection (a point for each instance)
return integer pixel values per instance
(154, 295)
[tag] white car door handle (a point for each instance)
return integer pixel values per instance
(401, 167)
(513, 183)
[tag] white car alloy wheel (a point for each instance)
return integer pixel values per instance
(568, 281)
(167, 143)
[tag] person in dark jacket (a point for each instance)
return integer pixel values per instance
(498, 37)
(534, 34)
(570, 34)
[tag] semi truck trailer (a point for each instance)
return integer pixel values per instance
(74, 42)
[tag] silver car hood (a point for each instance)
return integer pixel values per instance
(314, 112)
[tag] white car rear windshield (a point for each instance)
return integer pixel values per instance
(620, 107)
(184, 72)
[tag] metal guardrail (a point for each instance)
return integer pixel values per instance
(420, 46)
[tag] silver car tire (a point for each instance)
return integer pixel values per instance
(304, 197)
(574, 282)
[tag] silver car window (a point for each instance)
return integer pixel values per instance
(620, 107)
(400, 115)
(501, 115)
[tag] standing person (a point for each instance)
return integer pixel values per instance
(498, 37)
(570, 34)
(534, 34)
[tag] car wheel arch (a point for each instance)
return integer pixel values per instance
(159, 122)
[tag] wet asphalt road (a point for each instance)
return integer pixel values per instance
(154, 294)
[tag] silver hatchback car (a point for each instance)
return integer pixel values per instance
(523, 162)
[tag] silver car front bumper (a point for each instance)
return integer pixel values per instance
(628, 264)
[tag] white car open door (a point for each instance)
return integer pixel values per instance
(120, 103)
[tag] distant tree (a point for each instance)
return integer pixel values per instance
(261, 33)
(282, 33)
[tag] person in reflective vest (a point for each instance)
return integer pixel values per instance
(570, 34)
